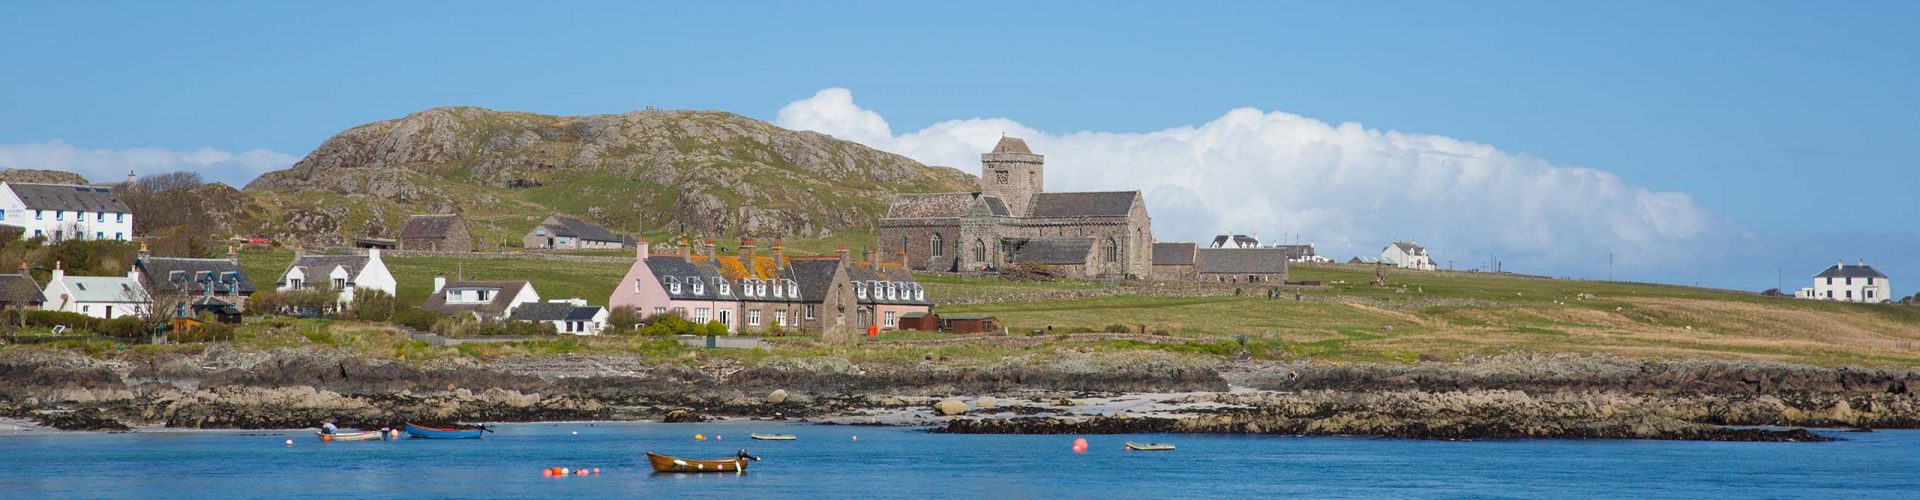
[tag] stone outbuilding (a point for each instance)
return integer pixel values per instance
(1242, 265)
(436, 233)
(560, 232)
(1173, 261)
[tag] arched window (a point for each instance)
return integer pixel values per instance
(979, 251)
(938, 248)
(1113, 250)
(903, 243)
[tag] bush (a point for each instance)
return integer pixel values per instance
(210, 332)
(624, 318)
(415, 318)
(715, 328)
(1116, 328)
(371, 305)
(321, 299)
(125, 327)
(668, 325)
(266, 301)
(73, 321)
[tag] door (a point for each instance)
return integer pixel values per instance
(109, 312)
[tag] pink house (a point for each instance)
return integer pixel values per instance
(684, 284)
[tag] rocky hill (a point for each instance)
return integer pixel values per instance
(655, 172)
(41, 176)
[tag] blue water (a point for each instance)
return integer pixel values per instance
(826, 462)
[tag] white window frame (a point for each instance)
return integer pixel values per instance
(701, 315)
(659, 310)
(809, 311)
(890, 320)
(753, 317)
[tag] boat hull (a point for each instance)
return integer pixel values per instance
(663, 463)
(1149, 447)
(772, 437)
(423, 432)
(353, 436)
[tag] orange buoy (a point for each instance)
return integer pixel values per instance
(596, 471)
(1080, 445)
(580, 472)
(546, 472)
(326, 438)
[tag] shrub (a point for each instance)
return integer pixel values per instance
(125, 327)
(1116, 328)
(210, 332)
(624, 318)
(266, 301)
(667, 325)
(73, 321)
(321, 299)
(715, 328)
(371, 305)
(416, 318)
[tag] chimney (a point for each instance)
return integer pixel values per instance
(842, 252)
(779, 253)
(746, 254)
(873, 256)
(59, 272)
(686, 250)
(143, 252)
(23, 268)
(373, 253)
(640, 247)
(233, 254)
(710, 255)
(439, 282)
(133, 273)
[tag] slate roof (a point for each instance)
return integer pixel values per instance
(554, 311)
(20, 289)
(68, 197)
(996, 206)
(1012, 145)
(1241, 260)
(323, 265)
(105, 289)
(671, 269)
(1097, 204)
(865, 272)
(429, 226)
(168, 275)
(1853, 271)
(1410, 248)
(1173, 254)
(1053, 251)
(931, 205)
(560, 225)
(501, 300)
(814, 276)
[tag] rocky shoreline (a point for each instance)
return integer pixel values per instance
(1497, 398)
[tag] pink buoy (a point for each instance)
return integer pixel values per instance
(1080, 445)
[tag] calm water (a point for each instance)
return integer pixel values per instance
(889, 463)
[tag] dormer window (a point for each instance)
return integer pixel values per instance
(793, 290)
(673, 285)
(760, 289)
(699, 288)
(860, 290)
(725, 288)
(919, 293)
(176, 276)
(778, 293)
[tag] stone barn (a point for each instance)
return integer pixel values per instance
(436, 233)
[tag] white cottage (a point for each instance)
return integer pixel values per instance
(569, 316)
(106, 297)
(1407, 255)
(346, 273)
(488, 300)
(1855, 283)
(60, 212)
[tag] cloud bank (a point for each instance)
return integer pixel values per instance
(112, 165)
(1348, 188)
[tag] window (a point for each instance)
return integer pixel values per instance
(726, 317)
(39, 216)
(680, 311)
(699, 288)
(119, 217)
(59, 235)
(339, 283)
(891, 292)
(1869, 280)
(295, 283)
(1849, 280)
(860, 290)
(120, 236)
(935, 247)
(889, 322)
(759, 289)
(673, 285)
(1849, 294)
(99, 235)
(727, 289)
(1113, 250)
(1869, 294)
(979, 251)
(780, 317)
(700, 315)
(1000, 175)
(59, 215)
(903, 245)
(809, 311)
(482, 294)
(100, 217)
(659, 311)
(1829, 280)
(37, 233)
(793, 289)
(919, 293)
(753, 317)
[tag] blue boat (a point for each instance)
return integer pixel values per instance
(419, 431)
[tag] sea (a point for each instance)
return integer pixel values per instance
(832, 461)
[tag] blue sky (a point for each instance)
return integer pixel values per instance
(1750, 109)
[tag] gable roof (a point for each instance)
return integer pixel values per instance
(104, 289)
(560, 225)
(1012, 145)
(1241, 260)
(669, 269)
(222, 275)
(1173, 254)
(931, 205)
(814, 276)
(1097, 204)
(554, 311)
(1053, 251)
(885, 272)
(493, 307)
(429, 226)
(1409, 248)
(20, 289)
(1238, 240)
(324, 264)
(1853, 271)
(68, 197)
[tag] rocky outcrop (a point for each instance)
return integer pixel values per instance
(704, 171)
(41, 176)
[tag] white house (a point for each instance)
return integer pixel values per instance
(570, 316)
(346, 273)
(62, 212)
(488, 300)
(105, 297)
(1407, 255)
(1841, 282)
(1231, 240)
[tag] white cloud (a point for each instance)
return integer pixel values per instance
(1348, 188)
(112, 165)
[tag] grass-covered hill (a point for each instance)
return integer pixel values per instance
(654, 172)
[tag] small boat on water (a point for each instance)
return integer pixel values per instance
(352, 436)
(772, 437)
(421, 431)
(737, 464)
(1149, 446)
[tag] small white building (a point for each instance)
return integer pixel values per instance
(105, 297)
(568, 316)
(1231, 240)
(346, 273)
(1855, 283)
(486, 300)
(60, 212)
(1407, 255)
